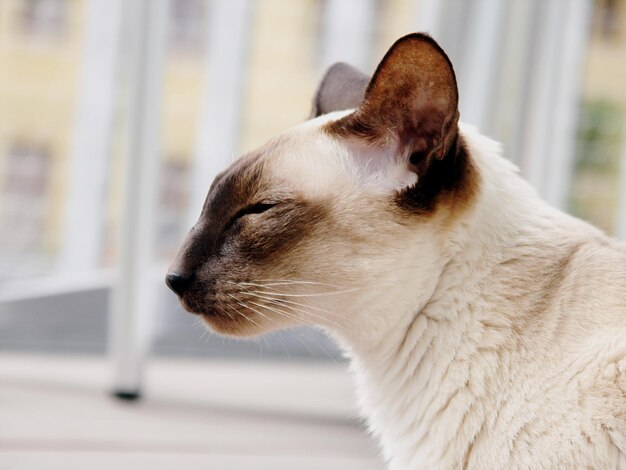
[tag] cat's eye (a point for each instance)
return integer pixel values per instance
(257, 208)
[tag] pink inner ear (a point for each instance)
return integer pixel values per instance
(412, 99)
(383, 169)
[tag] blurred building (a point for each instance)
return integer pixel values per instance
(40, 44)
(595, 192)
(42, 55)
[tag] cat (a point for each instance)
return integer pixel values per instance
(485, 329)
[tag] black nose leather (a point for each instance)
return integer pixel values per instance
(177, 283)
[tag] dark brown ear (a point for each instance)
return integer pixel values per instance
(342, 87)
(411, 103)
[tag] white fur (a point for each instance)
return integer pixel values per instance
(322, 162)
(451, 383)
(494, 338)
(496, 342)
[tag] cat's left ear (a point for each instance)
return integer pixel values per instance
(410, 106)
(341, 88)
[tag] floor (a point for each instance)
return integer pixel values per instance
(55, 413)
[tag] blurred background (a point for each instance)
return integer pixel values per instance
(114, 118)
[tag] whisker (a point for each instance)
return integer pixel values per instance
(283, 313)
(229, 315)
(262, 339)
(317, 294)
(199, 323)
(244, 315)
(306, 283)
(243, 304)
(334, 359)
(282, 342)
(268, 296)
(282, 302)
(286, 282)
(297, 336)
(247, 306)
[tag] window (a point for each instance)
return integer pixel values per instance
(24, 187)
(172, 204)
(43, 17)
(187, 17)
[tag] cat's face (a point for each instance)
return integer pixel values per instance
(324, 223)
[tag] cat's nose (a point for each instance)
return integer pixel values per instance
(177, 282)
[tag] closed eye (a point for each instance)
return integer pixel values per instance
(252, 209)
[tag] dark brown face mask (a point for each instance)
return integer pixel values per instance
(341, 88)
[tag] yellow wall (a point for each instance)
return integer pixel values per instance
(605, 70)
(39, 80)
(280, 78)
(38, 87)
(396, 19)
(182, 92)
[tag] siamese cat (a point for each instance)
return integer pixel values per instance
(485, 329)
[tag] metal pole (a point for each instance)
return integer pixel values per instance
(429, 13)
(566, 102)
(348, 32)
(506, 121)
(481, 59)
(132, 303)
(91, 145)
(220, 112)
(540, 105)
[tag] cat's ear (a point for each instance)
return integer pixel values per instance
(341, 88)
(411, 104)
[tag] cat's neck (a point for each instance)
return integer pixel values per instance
(422, 381)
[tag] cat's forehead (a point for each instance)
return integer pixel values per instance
(303, 159)
(236, 186)
(325, 164)
(309, 158)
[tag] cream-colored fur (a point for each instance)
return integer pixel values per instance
(488, 334)
(486, 329)
(497, 340)
(518, 357)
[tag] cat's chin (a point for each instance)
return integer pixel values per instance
(225, 324)
(233, 327)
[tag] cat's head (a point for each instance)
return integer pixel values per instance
(336, 219)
